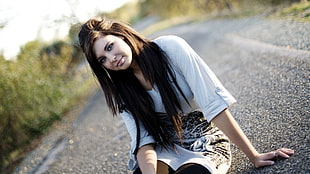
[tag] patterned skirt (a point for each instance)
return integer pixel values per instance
(202, 136)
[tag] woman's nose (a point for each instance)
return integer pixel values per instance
(111, 57)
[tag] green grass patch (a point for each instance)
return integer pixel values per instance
(298, 11)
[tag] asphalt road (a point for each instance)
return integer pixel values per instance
(267, 74)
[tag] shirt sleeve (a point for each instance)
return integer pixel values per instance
(209, 93)
(145, 137)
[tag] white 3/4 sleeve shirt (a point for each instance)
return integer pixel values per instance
(202, 89)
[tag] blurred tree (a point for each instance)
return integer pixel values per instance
(1, 57)
(36, 88)
(5, 15)
(30, 51)
(56, 57)
(129, 12)
(72, 18)
(34, 92)
(169, 8)
(76, 55)
(2, 25)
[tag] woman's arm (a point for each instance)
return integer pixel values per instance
(225, 122)
(147, 159)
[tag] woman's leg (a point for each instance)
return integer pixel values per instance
(192, 168)
(162, 168)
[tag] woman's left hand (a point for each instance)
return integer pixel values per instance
(265, 159)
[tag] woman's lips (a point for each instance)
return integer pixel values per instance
(120, 62)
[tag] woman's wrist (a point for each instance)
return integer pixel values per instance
(252, 156)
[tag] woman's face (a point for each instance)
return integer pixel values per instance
(112, 52)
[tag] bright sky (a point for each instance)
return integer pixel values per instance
(26, 20)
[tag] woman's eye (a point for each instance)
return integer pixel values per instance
(109, 48)
(102, 60)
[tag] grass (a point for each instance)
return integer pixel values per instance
(297, 11)
(66, 118)
(36, 90)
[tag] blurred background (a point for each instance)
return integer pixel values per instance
(43, 74)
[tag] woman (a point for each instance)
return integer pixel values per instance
(169, 100)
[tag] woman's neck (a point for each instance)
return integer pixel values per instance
(135, 67)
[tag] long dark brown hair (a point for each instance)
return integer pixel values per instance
(123, 91)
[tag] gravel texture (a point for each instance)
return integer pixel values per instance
(264, 63)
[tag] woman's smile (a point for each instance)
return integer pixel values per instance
(120, 62)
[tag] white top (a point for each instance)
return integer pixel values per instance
(202, 89)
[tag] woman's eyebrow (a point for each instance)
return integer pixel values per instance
(105, 48)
